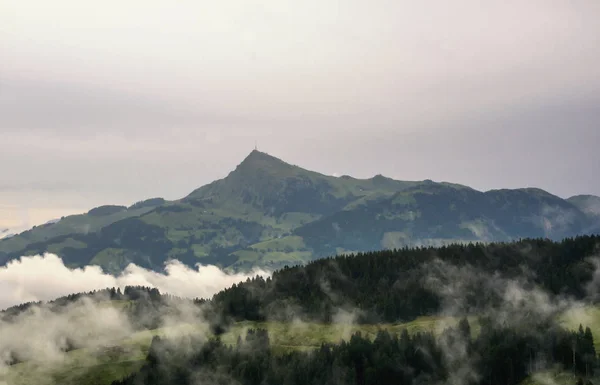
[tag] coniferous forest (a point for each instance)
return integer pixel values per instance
(389, 286)
(400, 285)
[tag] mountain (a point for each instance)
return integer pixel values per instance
(589, 204)
(434, 214)
(270, 213)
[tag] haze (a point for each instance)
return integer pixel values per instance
(113, 102)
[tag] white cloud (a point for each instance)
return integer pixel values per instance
(42, 278)
(41, 335)
(422, 90)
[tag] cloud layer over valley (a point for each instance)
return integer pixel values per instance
(45, 277)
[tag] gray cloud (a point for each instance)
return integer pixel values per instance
(496, 95)
(42, 107)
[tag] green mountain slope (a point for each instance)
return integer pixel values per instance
(433, 214)
(264, 184)
(270, 213)
(90, 222)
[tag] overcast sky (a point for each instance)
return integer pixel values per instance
(117, 101)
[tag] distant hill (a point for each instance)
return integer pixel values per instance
(589, 204)
(270, 213)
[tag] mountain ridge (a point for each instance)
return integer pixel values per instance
(270, 213)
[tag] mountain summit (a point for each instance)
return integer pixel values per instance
(257, 160)
(274, 188)
(267, 212)
(258, 175)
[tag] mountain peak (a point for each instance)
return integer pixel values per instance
(259, 155)
(255, 170)
(258, 160)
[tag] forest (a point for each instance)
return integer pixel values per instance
(495, 356)
(400, 285)
(389, 286)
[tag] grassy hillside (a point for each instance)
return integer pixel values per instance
(73, 224)
(270, 213)
(435, 213)
(84, 366)
(553, 377)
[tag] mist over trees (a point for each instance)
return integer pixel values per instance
(400, 285)
(495, 356)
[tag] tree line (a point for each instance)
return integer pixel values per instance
(385, 286)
